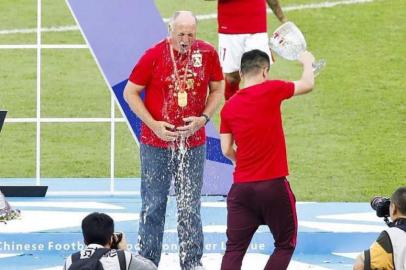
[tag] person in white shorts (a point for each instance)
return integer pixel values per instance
(242, 27)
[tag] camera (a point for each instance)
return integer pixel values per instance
(381, 206)
(117, 237)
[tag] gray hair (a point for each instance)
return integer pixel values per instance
(176, 15)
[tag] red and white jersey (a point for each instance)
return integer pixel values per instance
(155, 71)
(242, 16)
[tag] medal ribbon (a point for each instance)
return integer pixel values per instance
(175, 68)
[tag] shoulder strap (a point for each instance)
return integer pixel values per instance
(385, 241)
(98, 253)
(121, 259)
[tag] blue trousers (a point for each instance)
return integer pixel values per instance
(159, 167)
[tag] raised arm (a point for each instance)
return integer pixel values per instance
(277, 10)
(306, 82)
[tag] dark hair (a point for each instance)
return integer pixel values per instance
(254, 61)
(399, 199)
(97, 228)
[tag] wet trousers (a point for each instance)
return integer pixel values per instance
(159, 168)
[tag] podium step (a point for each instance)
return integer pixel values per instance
(330, 234)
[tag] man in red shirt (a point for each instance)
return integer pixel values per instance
(183, 85)
(242, 26)
(252, 137)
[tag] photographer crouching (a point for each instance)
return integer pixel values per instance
(389, 250)
(105, 249)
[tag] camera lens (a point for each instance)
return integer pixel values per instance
(376, 201)
(381, 206)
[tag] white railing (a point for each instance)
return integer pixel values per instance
(38, 142)
(38, 119)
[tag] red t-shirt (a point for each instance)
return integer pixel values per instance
(253, 117)
(241, 16)
(155, 71)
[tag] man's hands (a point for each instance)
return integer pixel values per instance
(167, 132)
(306, 58)
(123, 243)
(192, 124)
(164, 131)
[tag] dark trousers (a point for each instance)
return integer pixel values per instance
(250, 205)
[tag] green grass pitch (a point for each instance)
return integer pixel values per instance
(346, 140)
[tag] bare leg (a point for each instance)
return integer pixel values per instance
(232, 84)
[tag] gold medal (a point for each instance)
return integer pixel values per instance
(181, 84)
(182, 99)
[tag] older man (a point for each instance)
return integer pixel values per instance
(183, 85)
